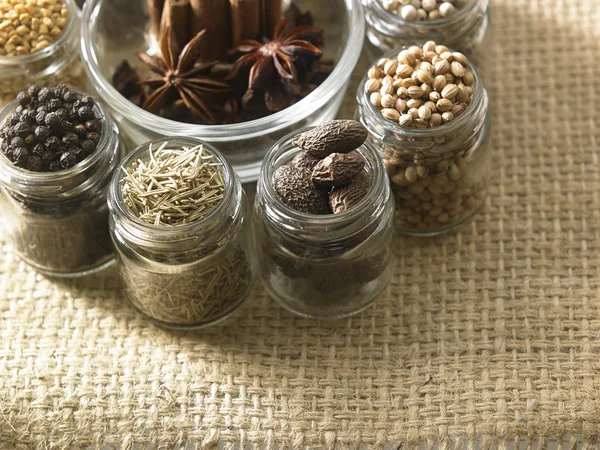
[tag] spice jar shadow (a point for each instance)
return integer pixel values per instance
(189, 275)
(58, 221)
(324, 266)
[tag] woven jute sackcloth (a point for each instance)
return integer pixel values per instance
(488, 335)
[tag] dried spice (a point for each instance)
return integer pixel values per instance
(192, 279)
(338, 169)
(52, 129)
(323, 185)
(180, 75)
(28, 27)
(412, 10)
(173, 188)
(335, 136)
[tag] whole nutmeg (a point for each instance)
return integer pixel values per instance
(338, 169)
(342, 198)
(304, 161)
(335, 136)
(297, 190)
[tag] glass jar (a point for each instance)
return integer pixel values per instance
(324, 266)
(184, 276)
(244, 144)
(465, 31)
(439, 176)
(59, 63)
(58, 221)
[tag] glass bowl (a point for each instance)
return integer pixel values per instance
(113, 30)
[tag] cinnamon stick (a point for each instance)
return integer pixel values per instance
(270, 15)
(155, 9)
(176, 16)
(212, 16)
(245, 20)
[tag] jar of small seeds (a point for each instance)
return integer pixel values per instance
(179, 224)
(323, 221)
(59, 151)
(426, 110)
(39, 44)
(460, 24)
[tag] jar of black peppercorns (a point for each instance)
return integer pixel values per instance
(59, 150)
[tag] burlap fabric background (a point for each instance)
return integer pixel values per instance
(492, 332)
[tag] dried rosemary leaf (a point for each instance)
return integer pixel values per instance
(173, 187)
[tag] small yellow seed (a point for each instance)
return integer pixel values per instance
(450, 91)
(390, 114)
(457, 69)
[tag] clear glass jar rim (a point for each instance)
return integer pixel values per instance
(315, 100)
(117, 205)
(67, 33)
(399, 21)
(378, 185)
(479, 98)
(26, 176)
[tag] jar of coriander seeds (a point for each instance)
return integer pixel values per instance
(428, 115)
(55, 169)
(460, 24)
(179, 224)
(325, 265)
(39, 44)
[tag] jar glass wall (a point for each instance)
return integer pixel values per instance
(324, 266)
(59, 63)
(466, 31)
(244, 144)
(184, 276)
(439, 176)
(58, 221)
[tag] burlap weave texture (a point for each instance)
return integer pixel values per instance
(492, 332)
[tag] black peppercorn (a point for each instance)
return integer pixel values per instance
(70, 139)
(47, 157)
(52, 143)
(22, 129)
(80, 130)
(69, 96)
(44, 95)
(52, 120)
(94, 137)
(17, 142)
(62, 113)
(40, 117)
(66, 126)
(29, 116)
(34, 163)
(88, 146)
(87, 100)
(42, 133)
(20, 155)
(67, 159)
(54, 104)
(94, 125)
(54, 166)
(38, 150)
(23, 98)
(85, 113)
(19, 109)
(33, 90)
(14, 119)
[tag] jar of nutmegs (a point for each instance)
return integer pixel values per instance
(320, 264)
(461, 24)
(39, 44)
(426, 110)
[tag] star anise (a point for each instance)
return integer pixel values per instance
(180, 75)
(290, 52)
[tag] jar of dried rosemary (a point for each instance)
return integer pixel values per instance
(59, 151)
(461, 24)
(179, 224)
(426, 110)
(324, 249)
(39, 44)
